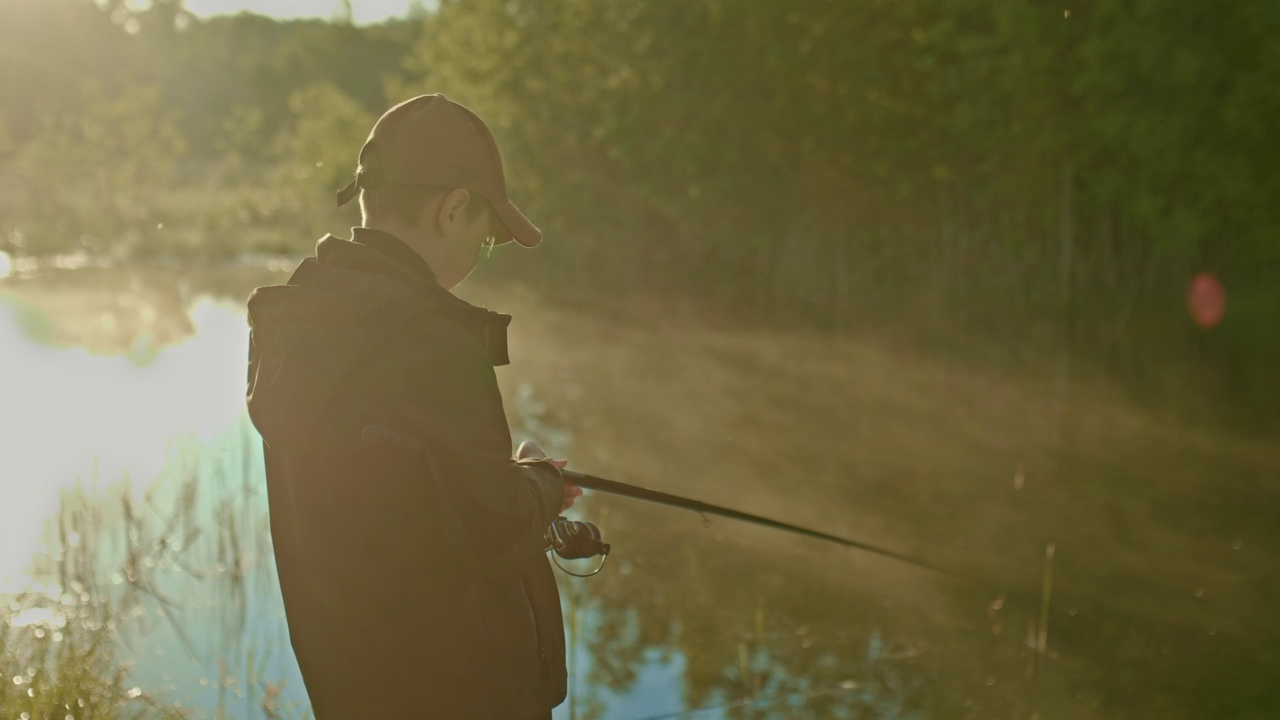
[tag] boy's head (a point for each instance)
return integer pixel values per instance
(431, 174)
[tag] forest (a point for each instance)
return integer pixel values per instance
(1012, 182)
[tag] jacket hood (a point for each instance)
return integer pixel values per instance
(337, 311)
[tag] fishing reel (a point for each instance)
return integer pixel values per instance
(576, 540)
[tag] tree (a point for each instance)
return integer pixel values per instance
(344, 14)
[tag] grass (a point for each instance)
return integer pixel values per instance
(68, 667)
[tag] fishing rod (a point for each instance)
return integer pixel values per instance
(574, 539)
(636, 492)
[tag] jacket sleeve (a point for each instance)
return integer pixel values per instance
(443, 391)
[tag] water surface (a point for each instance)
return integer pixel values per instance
(128, 384)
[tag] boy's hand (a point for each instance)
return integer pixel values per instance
(529, 449)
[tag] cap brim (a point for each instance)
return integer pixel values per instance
(348, 193)
(517, 226)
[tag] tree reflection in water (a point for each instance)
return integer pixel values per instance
(767, 627)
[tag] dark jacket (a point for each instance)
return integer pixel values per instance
(415, 583)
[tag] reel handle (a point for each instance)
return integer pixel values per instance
(575, 539)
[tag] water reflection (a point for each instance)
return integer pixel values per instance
(177, 576)
(133, 510)
(1161, 594)
(765, 629)
(71, 415)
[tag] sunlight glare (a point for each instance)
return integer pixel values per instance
(72, 416)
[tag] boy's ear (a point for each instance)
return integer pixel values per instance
(451, 209)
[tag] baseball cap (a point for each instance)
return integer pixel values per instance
(432, 141)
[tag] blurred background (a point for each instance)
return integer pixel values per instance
(993, 284)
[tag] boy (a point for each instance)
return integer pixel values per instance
(415, 581)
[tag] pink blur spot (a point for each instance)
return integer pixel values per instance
(1207, 300)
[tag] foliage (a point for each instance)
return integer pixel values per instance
(97, 169)
(1020, 171)
(318, 153)
(959, 174)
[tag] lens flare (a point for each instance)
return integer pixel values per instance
(1206, 300)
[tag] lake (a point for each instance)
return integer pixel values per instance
(1123, 563)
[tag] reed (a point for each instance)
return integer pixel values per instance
(122, 566)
